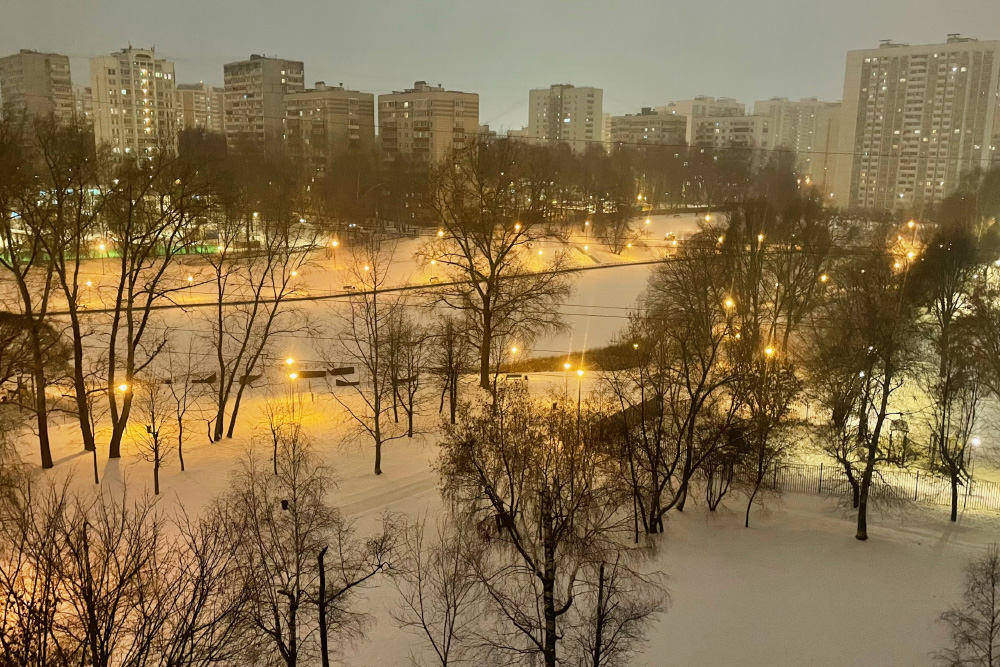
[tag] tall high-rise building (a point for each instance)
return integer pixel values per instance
(563, 112)
(36, 84)
(200, 106)
(648, 127)
(915, 118)
(426, 122)
(703, 106)
(326, 120)
(809, 128)
(133, 99)
(83, 104)
(255, 92)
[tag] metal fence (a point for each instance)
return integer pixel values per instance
(901, 485)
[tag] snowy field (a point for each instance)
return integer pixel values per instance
(794, 589)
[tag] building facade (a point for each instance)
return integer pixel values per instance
(648, 127)
(563, 112)
(83, 104)
(807, 127)
(703, 106)
(254, 103)
(36, 84)
(324, 121)
(133, 101)
(915, 118)
(426, 122)
(200, 106)
(739, 132)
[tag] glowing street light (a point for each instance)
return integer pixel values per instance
(190, 279)
(517, 226)
(513, 349)
(102, 247)
(289, 361)
(823, 278)
(89, 284)
(730, 303)
(123, 387)
(635, 346)
(976, 442)
(579, 372)
(760, 237)
(566, 366)
(335, 243)
(367, 268)
(769, 351)
(293, 376)
(911, 224)
(539, 252)
(294, 273)
(440, 233)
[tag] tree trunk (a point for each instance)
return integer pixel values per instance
(954, 498)
(236, 408)
(599, 630)
(80, 386)
(484, 350)
(156, 475)
(378, 455)
(324, 649)
(41, 410)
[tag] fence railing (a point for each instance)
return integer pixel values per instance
(902, 485)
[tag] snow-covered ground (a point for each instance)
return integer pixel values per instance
(794, 589)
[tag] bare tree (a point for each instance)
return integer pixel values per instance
(536, 483)
(488, 245)
(670, 384)
(64, 214)
(364, 342)
(29, 272)
(154, 423)
(407, 357)
(148, 215)
(975, 626)
(442, 598)
(180, 368)
(450, 355)
(281, 527)
(262, 249)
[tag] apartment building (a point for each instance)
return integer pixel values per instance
(323, 121)
(703, 106)
(566, 113)
(426, 122)
(648, 127)
(83, 104)
(915, 118)
(254, 99)
(200, 106)
(133, 101)
(809, 128)
(36, 84)
(739, 132)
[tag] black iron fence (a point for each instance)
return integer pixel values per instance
(900, 485)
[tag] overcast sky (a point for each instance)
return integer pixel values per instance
(641, 52)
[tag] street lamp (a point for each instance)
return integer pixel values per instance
(769, 351)
(289, 361)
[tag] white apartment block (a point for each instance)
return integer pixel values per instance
(326, 120)
(254, 101)
(648, 127)
(566, 113)
(200, 106)
(807, 127)
(426, 122)
(133, 99)
(915, 118)
(703, 106)
(36, 84)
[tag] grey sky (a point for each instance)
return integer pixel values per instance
(641, 52)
